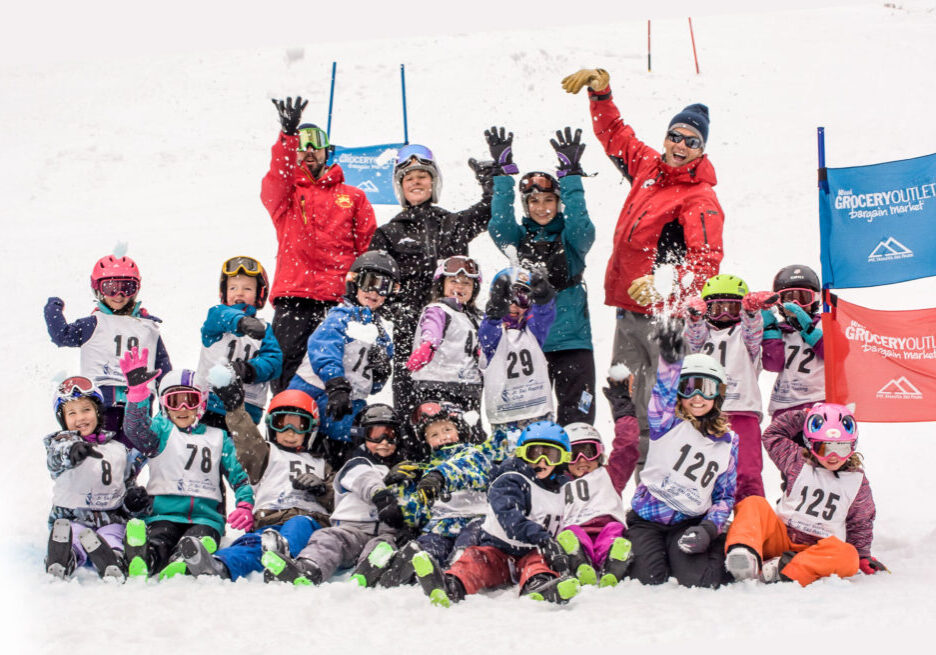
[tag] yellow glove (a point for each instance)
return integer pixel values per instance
(643, 292)
(596, 78)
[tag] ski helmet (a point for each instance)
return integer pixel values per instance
(520, 287)
(537, 182)
(374, 415)
(383, 268)
(414, 157)
(314, 137)
(700, 364)
(109, 267)
(72, 388)
(429, 412)
(544, 432)
(249, 266)
(724, 286)
(585, 439)
(798, 276)
(294, 401)
(453, 267)
(829, 423)
(191, 393)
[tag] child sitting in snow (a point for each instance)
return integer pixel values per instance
(233, 334)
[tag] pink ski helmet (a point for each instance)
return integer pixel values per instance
(111, 267)
(830, 429)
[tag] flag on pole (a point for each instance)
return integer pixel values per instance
(370, 168)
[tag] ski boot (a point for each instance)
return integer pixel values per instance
(108, 562)
(283, 568)
(617, 563)
(173, 568)
(771, 570)
(400, 572)
(442, 589)
(742, 563)
(135, 549)
(60, 558)
(197, 552)
(543, 586)
(372, 567)
(579, 565)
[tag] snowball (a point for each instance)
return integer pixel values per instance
(471, 417)
(619, 372)
(220, 376)
(120, 249)
(366, 332)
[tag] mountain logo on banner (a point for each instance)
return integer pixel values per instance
(368, 187)
(901, 388)
(889, 250)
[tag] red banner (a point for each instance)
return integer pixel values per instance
(883, 361)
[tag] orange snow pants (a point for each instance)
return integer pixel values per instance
(484, 567)
(758, 527)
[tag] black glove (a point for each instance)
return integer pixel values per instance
(669, 336)
(244, 370)
(339, 398)
(430, 487)
(253, 327)
(80, 451)
(555, 556)
(569, 151)
(501, 150)
(484, 173)
(232, 395)
(697, 538)
(499, 301)
(309, 482)
(388, 509)
(618, 394)
(136, 501)
(404, 471)
(541, 291)
(290, 114)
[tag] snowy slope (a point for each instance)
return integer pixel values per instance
(166, 154)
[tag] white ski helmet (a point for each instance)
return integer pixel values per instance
(582, 432)
(183, 379)
(704, 365)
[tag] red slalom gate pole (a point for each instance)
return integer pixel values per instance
(694, 55)
(648, 46)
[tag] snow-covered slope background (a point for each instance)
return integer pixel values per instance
(165, 153)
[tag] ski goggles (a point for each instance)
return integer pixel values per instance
(461, 265)
(422, 154)
(693, 385)
(119, 286)
(536, 181)
(371, 281)
(378, 433)
(277, 422)
(841, 449)
(693, 142)
(535, 452)
(802, 297)
(723, 309)
(241, 264)
(587, 450)
(182, 399)
(314, 138)
(76, 385)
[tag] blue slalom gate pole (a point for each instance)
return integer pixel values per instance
(403, 88)
(331, 98)
(823, 187)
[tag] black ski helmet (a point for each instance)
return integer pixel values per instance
(376, 414)
(796, 276)
(374, 261)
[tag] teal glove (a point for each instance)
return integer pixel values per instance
(771, 327)
(802, 322)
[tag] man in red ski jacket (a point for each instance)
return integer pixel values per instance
(321, 224)
(671, 216)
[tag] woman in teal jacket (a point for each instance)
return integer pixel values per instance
(556, 234)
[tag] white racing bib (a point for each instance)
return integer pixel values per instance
(802, 379)
(95, 484)
(463, 503)
(349, 506)
(545, 510)
(591, 496)
(357, 368)
(189, 465)
(818, 501)
(516, 380)
(275, 490)
(728, 348)
(456, 359)
(113, 336)
(682, 467)
(230, 348)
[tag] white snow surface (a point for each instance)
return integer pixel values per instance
(165, 153)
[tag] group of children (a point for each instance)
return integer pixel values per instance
(430, 498)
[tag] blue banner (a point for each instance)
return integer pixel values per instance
(370, 168)
(877, 223)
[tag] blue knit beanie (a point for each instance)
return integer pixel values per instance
(694, 117)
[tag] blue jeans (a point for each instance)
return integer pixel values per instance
(243, 556)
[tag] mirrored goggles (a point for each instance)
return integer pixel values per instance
(460, 265)
(692, 385)
(552, 454)
(537, 182)
(237, 265)
(841, 449)
(371, 281)
(279, 421)
(587, 450)
(422, 154)
(378, 433)
(76, 385)
(693, 142)
(723, 308)
(119, 286)
(802, 297)
(313, 137)
(181, 399)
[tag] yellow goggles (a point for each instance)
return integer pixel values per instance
(535, 451)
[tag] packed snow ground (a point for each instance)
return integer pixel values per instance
(166, 154)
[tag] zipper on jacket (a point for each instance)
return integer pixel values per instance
(191, 508)
(302, 210)
(704, 231)
(634, 226)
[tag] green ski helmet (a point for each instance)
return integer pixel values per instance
(724, 286)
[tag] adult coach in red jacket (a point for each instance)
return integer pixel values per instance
(321, 224)
(670, 216)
